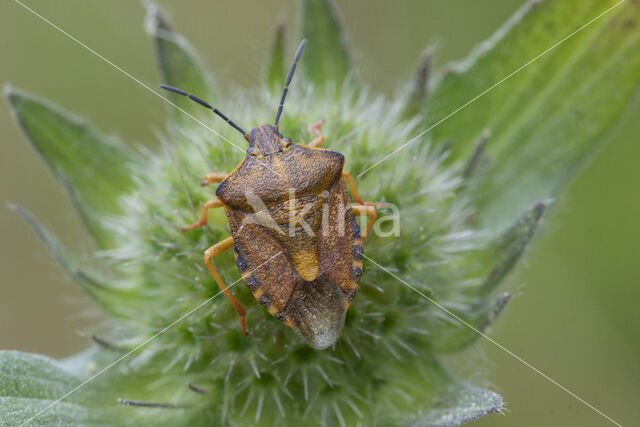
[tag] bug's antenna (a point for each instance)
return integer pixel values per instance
(206, 105)
(289, 77)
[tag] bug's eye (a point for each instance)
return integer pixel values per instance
(287, 140)
(251, 151)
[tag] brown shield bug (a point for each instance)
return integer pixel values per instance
(290, 199)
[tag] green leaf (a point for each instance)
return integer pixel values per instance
(49, 381)
(326, 58)
(276, 71)
(546, 118)
(38, 390)
(30, 383)
(178, 63)
(493, 263)
(113, 299)
(95, 168)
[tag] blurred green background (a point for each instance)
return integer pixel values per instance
(576, 314)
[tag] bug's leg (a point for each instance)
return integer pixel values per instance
(368, 210)
(352, 187)
(212, 177)
(360, 207)
(214, 250)
(315, 129)
(355, 194)
(209, 204)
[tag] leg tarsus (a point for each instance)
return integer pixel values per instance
(214, 250)
(212, 177)
(360, 207)
(368, 210)
(315, 129)
(209, 204)
(375, 204)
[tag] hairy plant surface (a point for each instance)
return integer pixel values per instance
(469, 195)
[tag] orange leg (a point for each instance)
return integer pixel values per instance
(212, 177)
(360, 207)
(368, 210)
(209, 204)
(355, 194)
(352, 187)
(315, 129)
(214, 250)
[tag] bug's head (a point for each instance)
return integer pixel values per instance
(266, 140)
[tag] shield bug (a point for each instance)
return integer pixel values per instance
(294, 234)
